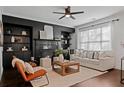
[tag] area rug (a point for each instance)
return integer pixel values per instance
(56, 80)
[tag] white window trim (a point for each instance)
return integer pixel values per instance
(85, 29)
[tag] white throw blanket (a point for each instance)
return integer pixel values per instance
(17, 60)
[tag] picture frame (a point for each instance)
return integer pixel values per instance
(42, 34)
(49, 31)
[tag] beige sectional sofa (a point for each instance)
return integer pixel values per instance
(94, 59)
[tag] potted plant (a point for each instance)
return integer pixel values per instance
(64, 52)
(58, 52)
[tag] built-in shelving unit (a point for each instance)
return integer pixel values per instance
(13, 26)
(65, 40)
(18, 42)
(16, 35)
(46, 40)
(45, 47)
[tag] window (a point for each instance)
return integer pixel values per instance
(97, 38)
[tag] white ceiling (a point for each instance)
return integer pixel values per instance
(44, 13)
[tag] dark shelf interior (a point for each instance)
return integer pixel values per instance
(46, 40)
(20, 41)
(65, 40)
(16, 51)
(14, 43)
(16, 35)
(13, 26)
(45, 47)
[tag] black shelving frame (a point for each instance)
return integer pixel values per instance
(46, 50)
(66, 37)
(26, 40)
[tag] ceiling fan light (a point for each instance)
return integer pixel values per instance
(67, 15)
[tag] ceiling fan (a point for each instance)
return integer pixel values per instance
(68, 13)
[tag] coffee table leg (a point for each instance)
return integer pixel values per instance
(78, 67)
(52, 65)
(63, 70)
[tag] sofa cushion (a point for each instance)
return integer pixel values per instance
(90, 54)
(84, 60)
(105, 54)
(77, 52)
(81, 52)
(94, 61)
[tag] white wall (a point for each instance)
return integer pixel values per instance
(117, 35)
(73, 41)
(1, 48)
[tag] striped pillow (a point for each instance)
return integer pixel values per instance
(96, 55)
(90, 54)
(84, 54)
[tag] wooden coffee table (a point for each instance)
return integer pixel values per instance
(65, 67)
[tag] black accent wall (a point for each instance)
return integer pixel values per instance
(37, 26)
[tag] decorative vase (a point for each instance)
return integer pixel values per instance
(61, 58)
(32, 58)
(12, 39)
(24, 33)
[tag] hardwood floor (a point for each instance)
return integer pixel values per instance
(110, 79)
(11, 78)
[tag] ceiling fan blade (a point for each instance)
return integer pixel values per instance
(61, 17)
(73, 13)
(72, 17)
(58, 13)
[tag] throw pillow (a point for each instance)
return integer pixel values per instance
(90, 54)
(29, 68)
(81, 53)
(77, 52)
(96, 55)
(106, 54)
(101, 54)
(15, 59)
(84, 54)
